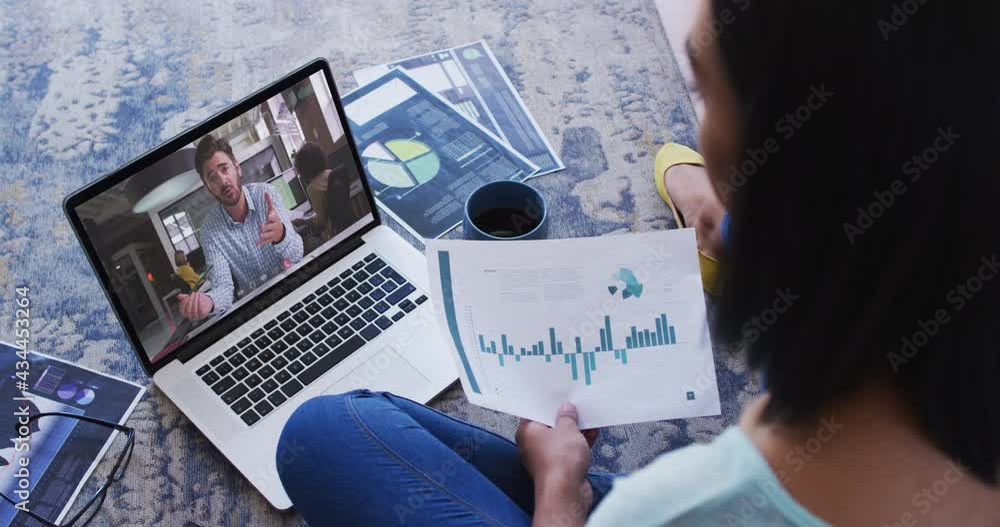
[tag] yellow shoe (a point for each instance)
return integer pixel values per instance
(670, 155)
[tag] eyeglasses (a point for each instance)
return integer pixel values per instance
(89, 508)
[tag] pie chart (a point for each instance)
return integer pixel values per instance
(76, 393)
(85, 397)
(401, 163)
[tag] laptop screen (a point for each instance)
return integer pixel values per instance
(199, 233)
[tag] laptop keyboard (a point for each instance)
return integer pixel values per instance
(302, 343)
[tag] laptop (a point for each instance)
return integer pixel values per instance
(243, 300)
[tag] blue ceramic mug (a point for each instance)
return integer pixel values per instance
(505, 210)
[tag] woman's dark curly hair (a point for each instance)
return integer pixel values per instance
(877, 209)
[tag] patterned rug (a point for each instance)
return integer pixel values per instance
(86, 86)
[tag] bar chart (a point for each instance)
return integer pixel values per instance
(581, 359)
(533, 324)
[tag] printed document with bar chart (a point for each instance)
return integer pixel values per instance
(615, 324)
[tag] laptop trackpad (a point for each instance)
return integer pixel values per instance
(387, 370)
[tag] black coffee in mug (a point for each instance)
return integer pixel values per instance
(506, 222)
(505, 210)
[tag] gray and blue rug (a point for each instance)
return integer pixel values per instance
(87, 85)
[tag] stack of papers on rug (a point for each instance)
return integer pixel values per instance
(433, 128)
(61, 452)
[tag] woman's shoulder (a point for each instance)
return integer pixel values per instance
(724, 482)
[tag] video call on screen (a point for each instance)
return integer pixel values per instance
(167, 231)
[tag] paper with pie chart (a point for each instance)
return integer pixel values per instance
(471, 78)
(617, 325)
(423, 158)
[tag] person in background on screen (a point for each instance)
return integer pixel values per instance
(247, 237)
(330, 196)
(310, 164)
(184, 269)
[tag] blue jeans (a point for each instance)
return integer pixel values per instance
(366, 458)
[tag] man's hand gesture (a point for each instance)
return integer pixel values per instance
(273, 230)
(195, 306)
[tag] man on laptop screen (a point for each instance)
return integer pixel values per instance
(246, 236)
